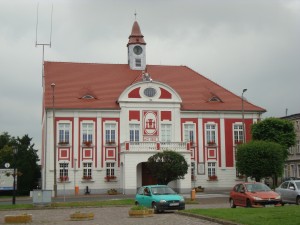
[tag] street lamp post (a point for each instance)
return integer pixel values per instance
(15, 151)
(243, 119)
(54, 140)
(75, 160)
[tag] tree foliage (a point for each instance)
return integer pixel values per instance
(260, 159)
(26, 160)
(275, 130)
(167, 166)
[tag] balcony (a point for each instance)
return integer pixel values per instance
(154, 146)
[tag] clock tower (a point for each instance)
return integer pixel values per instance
(136, 49)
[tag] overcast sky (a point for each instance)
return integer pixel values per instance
(238, 44)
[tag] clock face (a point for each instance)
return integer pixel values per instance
(137, 50)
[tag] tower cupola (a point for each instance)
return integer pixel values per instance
(136, 48)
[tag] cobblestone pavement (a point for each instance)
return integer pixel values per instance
(117, 215)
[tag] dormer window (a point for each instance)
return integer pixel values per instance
(88, 97)
(214, 99)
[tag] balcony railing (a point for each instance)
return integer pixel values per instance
(154, 146)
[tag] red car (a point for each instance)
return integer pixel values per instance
(253, 194)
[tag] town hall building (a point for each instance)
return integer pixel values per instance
(101, 123)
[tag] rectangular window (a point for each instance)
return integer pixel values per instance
(189, 133)
(193, 178)
(238, 133)
(87, 170)
(298, 147)
(211, 166)
(64, 171)
(211, 133)
(87, 132)
(292, 170)
(166, 132)
(110, 133)
(110, 169)
(138, 62)
(134, 132)
(298, 170)
(64, 133)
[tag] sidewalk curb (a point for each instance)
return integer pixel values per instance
(211, 219)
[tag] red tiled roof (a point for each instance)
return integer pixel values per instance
(107, 81)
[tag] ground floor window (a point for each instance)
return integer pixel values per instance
(64, 171)
(110, 169)
(87, 170)
(211, 169)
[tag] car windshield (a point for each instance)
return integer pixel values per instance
(162, 191)
(257, 187)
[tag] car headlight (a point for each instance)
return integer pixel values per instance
(181, 200)
(257, 198)
(278, 197)
(162, 201)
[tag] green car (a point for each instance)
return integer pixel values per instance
(160, 198)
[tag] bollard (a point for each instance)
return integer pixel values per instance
(76, 190)
(193, 194)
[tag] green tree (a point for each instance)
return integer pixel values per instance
(275, 130)
(26, 161)
(167, 166)
(260, 159)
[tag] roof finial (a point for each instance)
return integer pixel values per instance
(135, 14)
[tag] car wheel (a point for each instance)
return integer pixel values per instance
(248, 203)
(154, 207)
(298, 200)
(231, 202)
(136, 203)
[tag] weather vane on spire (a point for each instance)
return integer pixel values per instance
(135, 14)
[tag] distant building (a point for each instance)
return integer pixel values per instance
(292, 165)
(107, 119)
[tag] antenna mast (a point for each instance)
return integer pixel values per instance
(42, 44)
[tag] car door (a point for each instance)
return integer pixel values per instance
(291, 192)
(240, 195)
(147, 197)
(282, 190)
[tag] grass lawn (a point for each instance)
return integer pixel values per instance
(287, 215)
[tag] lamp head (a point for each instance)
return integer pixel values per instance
(244, 90)
(15, 149)
(53, 85)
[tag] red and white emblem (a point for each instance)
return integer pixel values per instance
(150, 123)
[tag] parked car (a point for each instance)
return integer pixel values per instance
(253, 194)
(160, 198)
(289, 191)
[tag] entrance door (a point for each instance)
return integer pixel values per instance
(147, 179)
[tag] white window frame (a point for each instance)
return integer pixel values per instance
(63, 169)
(238, 133)
(64, 132)
(189, 132)
(87, 169)
(211, 169)
(166, 132)
(134, 132)
(110, 132)
(110, 169)
(87, 129)
(211, 132)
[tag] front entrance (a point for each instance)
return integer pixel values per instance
(147, 179)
